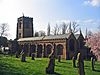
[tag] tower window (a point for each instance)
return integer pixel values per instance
(19, 25)
(19, 35)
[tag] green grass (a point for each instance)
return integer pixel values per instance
(13, 66)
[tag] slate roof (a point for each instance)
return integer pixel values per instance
(31, 38)
(61, 36)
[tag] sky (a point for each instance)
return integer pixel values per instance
(84, 12)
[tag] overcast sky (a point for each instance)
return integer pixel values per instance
(86, 12)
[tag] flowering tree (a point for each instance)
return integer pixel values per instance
(94, 42)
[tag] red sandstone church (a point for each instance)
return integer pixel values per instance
(65, 45)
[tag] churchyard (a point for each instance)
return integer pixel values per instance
(9, 65)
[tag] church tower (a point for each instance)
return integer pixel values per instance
(24, 27)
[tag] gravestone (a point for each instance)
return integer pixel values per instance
(18, 51)
(93, 62)
(23, 58)
(33, 55)
(51, 65)
(24, 53)
(93, 59)
(59, 58)
(81, 64)
(74, 61)
(17, 55)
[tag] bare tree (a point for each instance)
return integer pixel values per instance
(89, 33)
(48, 29)
(64, 27)
(36, 34)
(75, 27)
(41, 33)
(56, 30)
(3, 29)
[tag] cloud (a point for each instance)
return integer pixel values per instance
(85, 23)
(90, 22)
(94, 3)
(61, 21)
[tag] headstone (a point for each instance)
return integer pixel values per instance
(33, 55)
(17, 55)
(77, 60)
(24, 53)
(18, 51)
(93, 62)
(80, 64)
(74, 61)
(51, 65)
(59, 58)
(23, 58)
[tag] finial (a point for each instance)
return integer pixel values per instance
(23, 14)
(86, 33)
(80, 31)
(70, 29)
(48, 23)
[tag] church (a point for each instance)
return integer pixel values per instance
(64, 45)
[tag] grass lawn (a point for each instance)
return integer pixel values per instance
(13, 66)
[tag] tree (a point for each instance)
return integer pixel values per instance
(64, 27)
(3, 29)
(74, 27)
(89, 33)
(94, 42)
(3, 41)
(41, 33)
(48, 29)
(56, 30)
(36, 34)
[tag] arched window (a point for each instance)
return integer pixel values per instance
(19, 25)
(33, 48)
(59, 49)
(19, 35)
(48, 48)
(39, 50)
